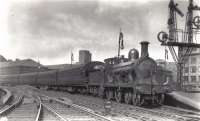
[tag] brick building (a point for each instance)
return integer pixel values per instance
(191, 70)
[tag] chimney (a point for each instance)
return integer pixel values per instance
(144, 49)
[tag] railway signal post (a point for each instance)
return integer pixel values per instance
(186, 44)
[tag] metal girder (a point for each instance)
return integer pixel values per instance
(181, 44)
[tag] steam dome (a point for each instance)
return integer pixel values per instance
(133, 54)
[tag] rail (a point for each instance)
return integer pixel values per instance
(156, 115)
(41, 105)
(180, 109)
(89, 111)
(175, 116)
(39, 109)
(59, 100)
(54, 112)
(182, 112)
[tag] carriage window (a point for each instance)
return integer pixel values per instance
(186, 78)
(193, 60)
(193, 69)
(186, 69)
(194, 49)
(193, 78)
(186, 60)
(199, 79)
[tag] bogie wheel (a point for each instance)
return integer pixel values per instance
(118, 96)
(100, 92)
(136, 99)
(128, 97)
(161, 99)
(95, 91)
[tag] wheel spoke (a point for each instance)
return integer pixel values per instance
(128, 97)
(118, 96)
(109, 95)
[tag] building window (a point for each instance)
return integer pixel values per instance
(193, 78)
(193, 60)
(186, 60)
(193, 69)
(186, 69)
(194, 50)
(186, 78)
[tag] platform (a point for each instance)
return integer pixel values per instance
(188, 99)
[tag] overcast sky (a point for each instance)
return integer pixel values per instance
(51, 29)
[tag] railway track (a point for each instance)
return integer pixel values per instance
(88, 107)
(7, 108)
(156, 114)
(64, 112)
(19, 108)
(45, 108)
(162, 113)
(179, 111)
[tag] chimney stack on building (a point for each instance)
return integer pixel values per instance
(84, 56)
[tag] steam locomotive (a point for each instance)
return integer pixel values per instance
(136, 80)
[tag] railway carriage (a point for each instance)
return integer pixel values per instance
(135, 79)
